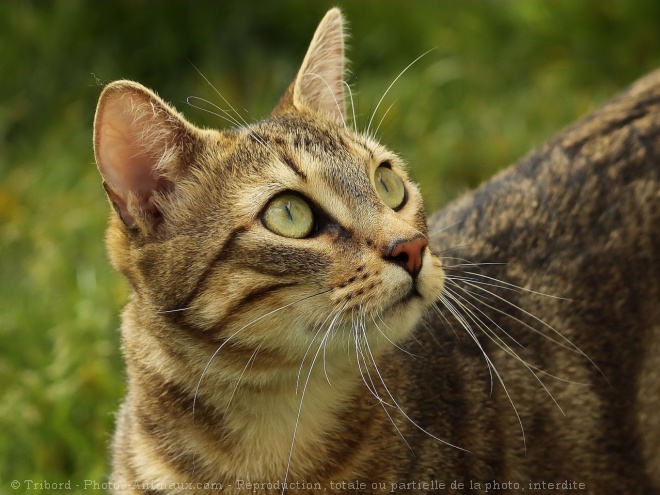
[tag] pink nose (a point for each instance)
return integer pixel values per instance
(409, 254)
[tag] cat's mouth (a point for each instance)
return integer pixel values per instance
(411, 295)
(422, 291)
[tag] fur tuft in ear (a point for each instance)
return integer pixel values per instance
(319, 85)
(138, 143)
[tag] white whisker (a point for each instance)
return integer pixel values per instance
(383, 117)
(310, 346)
(491, 364)
(387, 338)
(567, 345)
(374, 392)
(302, 398)
(340, 110)
(227, 116)
(173, 310)
(489, 318)
(220, 95)
(502, 345)
(330, 332)
(396, 404)
(504, 284)
(350, 93)
(392, 84)
(443, 229)
(508, 349)
(199, 382)
(238, 382)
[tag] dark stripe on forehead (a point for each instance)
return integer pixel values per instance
(289, 161)
(316, 140)
(278, 147)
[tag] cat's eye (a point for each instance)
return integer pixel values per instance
(389, 187)
(289, 215)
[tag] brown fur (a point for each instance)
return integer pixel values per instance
(231, 326)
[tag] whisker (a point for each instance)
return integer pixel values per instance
(227, 116)
(381, 402)
(476, 298)
(173, 310)
(341, 113)
(453, 248)
(571, 345)
(467, 262)
(481, 283)
(329, 331)
(489, 318)
(350, 93)
(383, 117)
(518, 287)
(443, 229)
(396, 404)
(502, 345)
(220, 95)
(302, 398)
(468, 328)
(310, 346)
(388, 339)
(238, 382)
(491, 366)
(359, 353)
(246, 125)
(199, 382)
(231, 120)
(392, 84)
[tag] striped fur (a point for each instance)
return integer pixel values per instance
(256, 358)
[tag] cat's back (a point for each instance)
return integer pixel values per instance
(579, 372)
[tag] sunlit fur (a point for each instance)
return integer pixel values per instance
(209, 276)
(256, 357)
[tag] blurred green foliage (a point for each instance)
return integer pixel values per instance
(503, 77)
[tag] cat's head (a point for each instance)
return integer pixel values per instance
(272, 234)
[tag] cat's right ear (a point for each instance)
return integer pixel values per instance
(139, 144)
(319, 85)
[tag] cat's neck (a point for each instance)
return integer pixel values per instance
(242, 408)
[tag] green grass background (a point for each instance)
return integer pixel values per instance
(504, 77)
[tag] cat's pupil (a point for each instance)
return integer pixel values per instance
(389, 186)
(289, 215)
(380, 178)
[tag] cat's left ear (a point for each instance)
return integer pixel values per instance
(142, 147)
(319, 85)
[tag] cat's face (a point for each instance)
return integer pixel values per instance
(275, 235)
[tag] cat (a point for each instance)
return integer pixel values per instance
(296, 327)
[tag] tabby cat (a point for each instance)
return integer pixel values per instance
(295, 328)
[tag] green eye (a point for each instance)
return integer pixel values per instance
(289, 215)
(389, 187)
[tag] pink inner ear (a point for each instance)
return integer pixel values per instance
(129, 146)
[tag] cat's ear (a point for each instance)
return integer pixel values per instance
(139, 144)
(319, 85)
